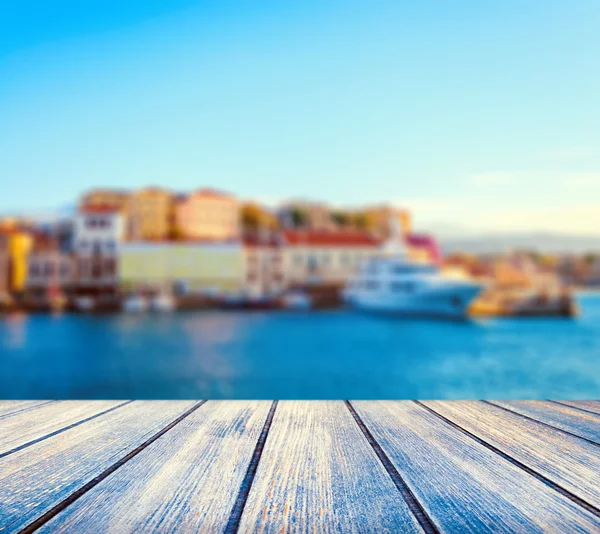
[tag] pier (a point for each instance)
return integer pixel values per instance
(299, 466)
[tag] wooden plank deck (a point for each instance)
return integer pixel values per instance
(291, 466)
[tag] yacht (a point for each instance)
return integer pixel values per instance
(391, 282)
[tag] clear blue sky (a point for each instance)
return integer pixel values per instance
(478, 115)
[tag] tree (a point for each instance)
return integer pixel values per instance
(255, 217)
(299, 217)
(364, 221)
(341, 218)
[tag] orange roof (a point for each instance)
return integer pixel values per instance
(98, 208)
(207, 192)
(315, 238)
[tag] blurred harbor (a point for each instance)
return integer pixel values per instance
(156, 250)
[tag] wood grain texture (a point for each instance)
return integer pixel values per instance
(186, 481)
(30, 425)
(319, 474)
(10, 408)
(565, 460)
(590, 406)
(463, 486)
(582, 424)
(37, 478)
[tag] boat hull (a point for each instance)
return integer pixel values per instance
(447, 301)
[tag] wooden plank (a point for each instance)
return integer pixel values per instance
(25, 427)
(319, 474)
(463, 486)
(590, 405)
(187, 480)
(582, 424)
(565, 460)
(9, 408)
(37, 478)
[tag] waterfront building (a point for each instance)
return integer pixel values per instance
(4, 265)
(97, 233)
(18, 242)
(314, 216)
(264, 264)
(325, 256)
(113, 198)
(379, 220)
(197, 266)
(422, 248)
(207, 214)
(49, 269)
(150, 214)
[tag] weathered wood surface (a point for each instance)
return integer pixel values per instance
(319, 474)
(9, 408)
(590, 406)
(187, 480)
(583, 424)
(326, 466)
(463, 486)
(36, 478)
(28, 427)
(567, 461)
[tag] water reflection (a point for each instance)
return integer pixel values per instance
(297, 355)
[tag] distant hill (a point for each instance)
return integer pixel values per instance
(540, 242)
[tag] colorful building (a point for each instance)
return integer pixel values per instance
(264, 265)
(49, 269)
(113, 198)
(4, 265)
(380, 219)
(208, 215)
(315, 216)
(150, 214)
(18, 243)
(97, 233)
(325, 256)
(199, 266)
(423, 248)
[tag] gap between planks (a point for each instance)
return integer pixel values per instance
(553, 485)
(44, 518)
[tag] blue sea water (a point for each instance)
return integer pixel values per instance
(291, 355)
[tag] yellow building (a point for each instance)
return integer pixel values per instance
(198, 265)
(17, 246)
(208, 214)
(150, 214)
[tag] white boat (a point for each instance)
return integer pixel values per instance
(162, 303)
(297, 300)
(85, 303)
(393, 283)
(135, 304)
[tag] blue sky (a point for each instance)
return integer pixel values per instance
(479, 116)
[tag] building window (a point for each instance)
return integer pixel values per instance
(97, 247)
(110, 245)
(110, 267)
(96, 270)
(64, 270)
(83, 244)
(34, 270)
(49, 268)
